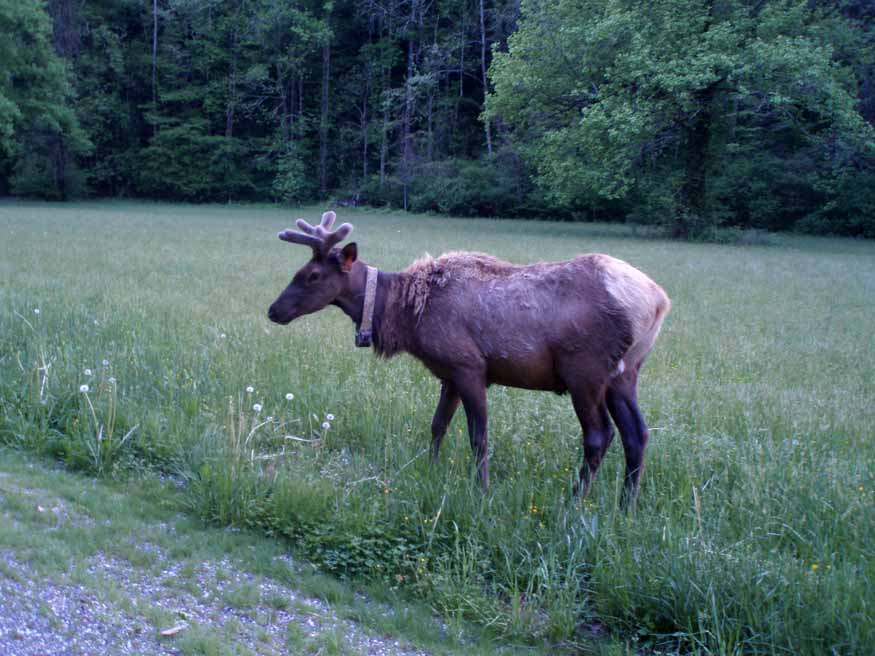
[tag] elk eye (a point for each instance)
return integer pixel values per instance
(313, 277)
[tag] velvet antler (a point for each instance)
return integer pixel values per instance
(320, 237)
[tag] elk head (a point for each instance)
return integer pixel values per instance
(324, 278)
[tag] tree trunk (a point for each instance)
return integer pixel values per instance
(384, 132)
(61, 156)
(461, 68)
(65, 35)
(430, 114)
(286, 107)
(323, 120)
(154, 61)
(232, 94)
(692, 213)
(483, 73)
(406, 141)
(364, 123)
(65, 39)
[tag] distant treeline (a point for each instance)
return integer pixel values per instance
(688, 114)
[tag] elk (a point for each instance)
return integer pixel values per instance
(582, 327)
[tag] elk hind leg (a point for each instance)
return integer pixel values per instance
(471, 388)
(622, 404)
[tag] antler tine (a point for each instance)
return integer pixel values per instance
(324, 227)
(303, 226)
(294, 237)
(328, 219)
(320, 237)
(337, 236)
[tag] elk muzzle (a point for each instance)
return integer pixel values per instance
(281, 313)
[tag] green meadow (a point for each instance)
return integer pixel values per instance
(755, 528)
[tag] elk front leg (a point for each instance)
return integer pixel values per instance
(472, 389)
(446, 408)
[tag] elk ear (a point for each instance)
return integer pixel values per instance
(348, 255)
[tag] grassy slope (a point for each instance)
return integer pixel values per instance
(127, 549)
(755, 523)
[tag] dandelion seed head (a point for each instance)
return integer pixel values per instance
(326, 425)
(289, 396)
(106, 363)
(257, 407)
(88, 372)
(112, 380)
(269, 418)
(250, 389)
(84, 388)
(223, 335)
(329, 417)
(36, 311)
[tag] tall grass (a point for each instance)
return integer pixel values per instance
(754, 530)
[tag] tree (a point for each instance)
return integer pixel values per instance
(650, 106)
(39, 132)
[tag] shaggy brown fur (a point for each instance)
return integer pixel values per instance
(584, 326)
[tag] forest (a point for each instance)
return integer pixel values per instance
(683, 114)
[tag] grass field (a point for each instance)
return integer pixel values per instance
(755, 529)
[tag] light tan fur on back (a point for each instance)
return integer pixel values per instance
(645, 303)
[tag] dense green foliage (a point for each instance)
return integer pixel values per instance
(689, 114)
(39, 133)
(753, 533)
(215, 100)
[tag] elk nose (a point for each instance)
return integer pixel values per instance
(271, 313)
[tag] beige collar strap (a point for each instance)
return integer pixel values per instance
(365, 332)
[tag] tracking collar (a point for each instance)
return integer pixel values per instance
(365, 331)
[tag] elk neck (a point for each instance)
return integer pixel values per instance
(352, 303)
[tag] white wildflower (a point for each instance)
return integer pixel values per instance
(223, 335)
(250, 389)
(257, 407)
(269, 418)
(326, 425)
(329, 417)
(106, 363)
(289, 396)
(88, 372)
(36, 311)
(84, 389)
(112, 380)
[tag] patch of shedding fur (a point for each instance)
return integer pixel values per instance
(429, 273)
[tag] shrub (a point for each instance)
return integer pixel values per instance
(496, 186)
(850, 210)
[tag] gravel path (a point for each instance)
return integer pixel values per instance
(105, 604)
(41, 618)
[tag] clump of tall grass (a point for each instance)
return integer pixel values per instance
(101, 445)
